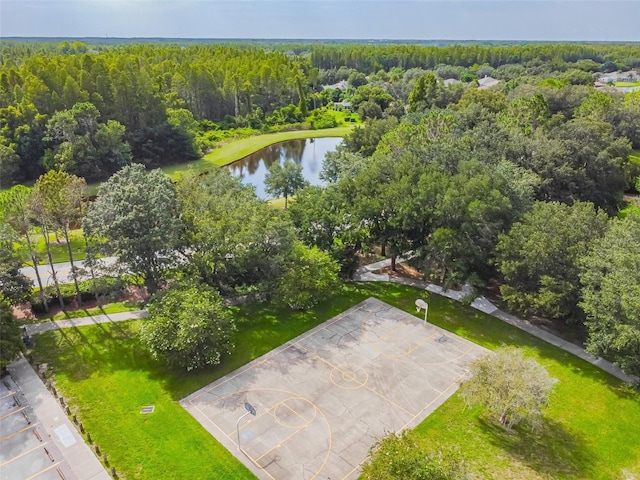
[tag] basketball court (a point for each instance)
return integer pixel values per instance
(324, 398)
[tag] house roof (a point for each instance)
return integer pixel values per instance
(341, 85)
(487, 82)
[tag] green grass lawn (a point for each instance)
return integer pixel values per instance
(58, 249)
(115, 307)
(239, 149)
(631, 208)
(279, 202)
(627, 84)
(591, 430)
(344, 116)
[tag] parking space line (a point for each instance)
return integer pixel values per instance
(44, 470)
(23, 454)
(33, 425)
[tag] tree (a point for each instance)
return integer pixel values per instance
(369, 110)
(510, 386)
(9, 166)
(82, 146)
(425, 93)
(14, 205)
(367, 93)
(112, 151)
(10, 335)
(135, 218)
(311, 276)
(188, 326)
(526, 114)
(14, 286)
(579, 160)
(37, 205)
(538, 257)
(357, 79)
(364, 139)
(284, 180)
(384, 199)
(323, 217)
(341, 163)
(610, 278)
(408, 457)
(69, 132)
(60, 198)
(468, 217)
(232, 240)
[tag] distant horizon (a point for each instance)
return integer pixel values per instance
(317, 20)
(291, 40)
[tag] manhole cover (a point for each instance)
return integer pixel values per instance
(147, 409)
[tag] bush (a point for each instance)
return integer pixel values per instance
(89, 290)
(512, 387)
(407, 457)
(322, 119)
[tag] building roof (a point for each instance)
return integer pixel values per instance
(487, 82)
(341, 85)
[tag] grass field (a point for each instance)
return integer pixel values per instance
(279, 202)
(115, 307)
(58, 250)
(627, 84)
(590, 432)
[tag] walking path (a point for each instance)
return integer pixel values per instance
(86, 466)
(481, 303)
(36, 328)
(66, 440)
(367, 273)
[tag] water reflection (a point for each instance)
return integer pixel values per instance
(308, 152)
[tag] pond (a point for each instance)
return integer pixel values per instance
(308, 152)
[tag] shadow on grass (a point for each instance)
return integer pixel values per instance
(261, 328)
(552, 450)
(579, 367)
(86, 351)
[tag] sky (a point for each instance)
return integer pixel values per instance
(551, 20)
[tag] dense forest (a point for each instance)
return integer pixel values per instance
(90, 109)
(518, 183)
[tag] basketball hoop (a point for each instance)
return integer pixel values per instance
(421, 304)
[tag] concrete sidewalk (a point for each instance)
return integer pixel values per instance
(484, 305)
(59, 429)
(35, 328)
(366, 273)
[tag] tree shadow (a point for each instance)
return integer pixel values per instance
(582, 368)
(81, 353)
(552, 450)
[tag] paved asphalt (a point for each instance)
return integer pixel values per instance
(63, 271)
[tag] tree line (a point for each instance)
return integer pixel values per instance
(91, 112)
(519, 184)
(190, 244)
(90, 109)
(371, 58)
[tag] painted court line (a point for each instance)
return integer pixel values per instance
(326, 396)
